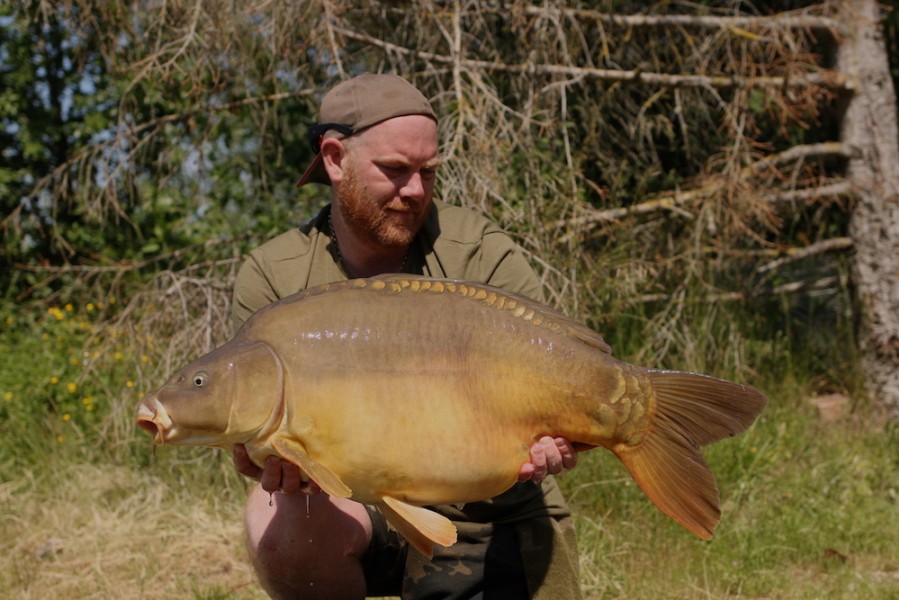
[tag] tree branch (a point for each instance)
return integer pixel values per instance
(794, 254)
(818, 77)
(673, 201)
(840, 188)
(739, 25)
(793, 287)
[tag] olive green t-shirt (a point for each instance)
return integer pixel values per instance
(455, 243)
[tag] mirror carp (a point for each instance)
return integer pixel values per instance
(404, 392)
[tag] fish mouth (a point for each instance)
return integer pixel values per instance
(152, 418)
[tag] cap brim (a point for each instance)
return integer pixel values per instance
(315, 173)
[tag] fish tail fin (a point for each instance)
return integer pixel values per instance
(691, 411)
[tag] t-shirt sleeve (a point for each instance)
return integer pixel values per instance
(252, 291)
(502, 263)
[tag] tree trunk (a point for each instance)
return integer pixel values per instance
(870, 132)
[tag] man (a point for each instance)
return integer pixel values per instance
(377, 148)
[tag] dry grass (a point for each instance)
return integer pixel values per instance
(100, 531)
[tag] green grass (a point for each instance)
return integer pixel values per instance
(810, 507)
(810, 510)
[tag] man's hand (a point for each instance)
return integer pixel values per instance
(548, 456)
(277, 476)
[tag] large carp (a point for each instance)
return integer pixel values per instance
(404, 392)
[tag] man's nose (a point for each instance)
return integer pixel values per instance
(414, 187)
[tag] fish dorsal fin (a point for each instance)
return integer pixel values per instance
(421, 526)
(588, 336)
(541, 315)
(323, 476)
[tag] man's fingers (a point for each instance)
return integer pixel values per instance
(552, 453)
(548, 456)
(271, 475)
(243, 464)
(526, 472)
(290, 478)
(540, 461)
(568, 453)
(277, 475)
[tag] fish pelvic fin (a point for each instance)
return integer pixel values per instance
(421, 526)
(691, 411)
(327, 480)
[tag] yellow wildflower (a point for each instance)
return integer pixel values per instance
(60, 438)
(129, 384)
(67, 417)
(54, 380)
(144, 358)
(90, 307)
(87, 399)
(118, 356)
(9, 321)
(7, 396)
(69, 307)
(72, 387)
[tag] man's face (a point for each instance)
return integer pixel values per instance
(389, 170)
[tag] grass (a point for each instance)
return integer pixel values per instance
(810, 507)
(809, 511)
(79, 530)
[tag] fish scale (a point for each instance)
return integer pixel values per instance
(405, 392)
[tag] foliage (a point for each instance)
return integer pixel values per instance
(147, 146)
(199, 132)
(54, 99)
(105, 164)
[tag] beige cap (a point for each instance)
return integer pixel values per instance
(363, 101)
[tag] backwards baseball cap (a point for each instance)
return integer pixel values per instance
(352, 105)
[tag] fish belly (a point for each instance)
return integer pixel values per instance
(434, 398)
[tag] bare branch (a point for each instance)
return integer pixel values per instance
(795, 153)
(840, 188)
(673, 202)
(738, 25)
(794, 287)
(817, 77)
(794, 254)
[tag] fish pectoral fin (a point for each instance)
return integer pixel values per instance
(421, 526)
(294, 452)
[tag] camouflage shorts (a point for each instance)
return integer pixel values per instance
(488, 561)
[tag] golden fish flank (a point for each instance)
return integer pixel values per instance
(354, 381)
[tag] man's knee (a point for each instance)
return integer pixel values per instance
(309, 545)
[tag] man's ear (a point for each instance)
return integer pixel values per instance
(333, 154)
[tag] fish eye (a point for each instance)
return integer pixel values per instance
(199, 378)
